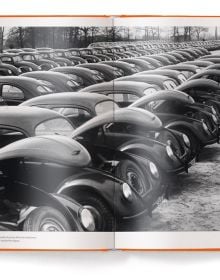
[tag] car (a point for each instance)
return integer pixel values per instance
(78, 107)
(178, 111)
(86, 53)
(57, 82)
(186, 69)
(16, 89)
(161, 81)
(213, 66)
(29, 206)
(154, 62)
(36, 58)
(141, 65)
(84, 77)
(203, 91)
(68, 55)
(17, 61)
(9, 70)
(200, 63)
(173, 74)
(110, 199)
(211, 74)
(106, 71)
(101, 52)
(212, 59)
(60, 61)
(163, 60)
(133, 131)
(178, 56)
(122, 92)
(170, 57)
(126, 68)
(185, 54)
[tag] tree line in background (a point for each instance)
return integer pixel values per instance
(70, 37)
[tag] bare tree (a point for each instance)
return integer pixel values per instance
(1, 38)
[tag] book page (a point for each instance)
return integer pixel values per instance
(56, 189)
(181, 196)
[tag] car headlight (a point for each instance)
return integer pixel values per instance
(215, 120)
(153, 169)
(87, 219)
(205, 127)
(30, 69)
(9, 72)
(186, 139)
(170, 152)
(64, 64)
(127, 192)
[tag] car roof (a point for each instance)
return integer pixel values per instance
(25, 118)
(18, 80)
(198, 83)
(173, 95)
(81, 99)
(119, 85)
(46, 75)
(53, 148)
(150, 77)
(135, 116)
(206, 72)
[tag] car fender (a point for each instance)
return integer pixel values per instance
(35, 197)
(192, 128)
(155, 152)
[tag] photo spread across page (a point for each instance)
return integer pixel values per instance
(109, 133)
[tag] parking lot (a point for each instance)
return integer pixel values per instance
(193, 204)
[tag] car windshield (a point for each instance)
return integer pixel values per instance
(58, 126)
(105, 106)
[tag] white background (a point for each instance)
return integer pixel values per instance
(111, 265)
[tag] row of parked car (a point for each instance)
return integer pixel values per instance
(94, 146)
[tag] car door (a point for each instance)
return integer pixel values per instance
(13, 95)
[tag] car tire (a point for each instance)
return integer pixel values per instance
(46, 219)
(104, 218)
(130, 172)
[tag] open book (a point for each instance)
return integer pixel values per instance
(109, 132)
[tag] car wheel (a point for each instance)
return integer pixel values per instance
(104, 219)
(131, 173)
(46, 219)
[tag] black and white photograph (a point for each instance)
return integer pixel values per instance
(109, 128)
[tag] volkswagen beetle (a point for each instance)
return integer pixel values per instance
(17, 61)
(16, 89)
(111, 200)
(178, 111)
(84, 77)
(57, 82)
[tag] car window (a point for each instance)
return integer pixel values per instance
(72, 112)
(9, 91)
(54, 126)
(105, 106)
(117, 97)
(28, 57)
(6, 59)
